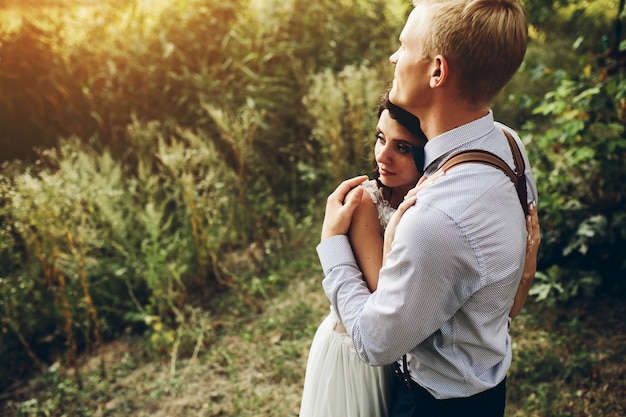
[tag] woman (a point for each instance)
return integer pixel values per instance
(337, 382)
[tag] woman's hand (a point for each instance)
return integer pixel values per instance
(340, 206)
(409, 200)
(530, 263)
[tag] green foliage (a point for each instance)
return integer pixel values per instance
(61, 395)
(578, 163)
(200, 53)
(541, 10)
(184, 152)
(101, 246)
(32, 91)
(559, 284)
(344, 107)
(572, 117)
(66, 393)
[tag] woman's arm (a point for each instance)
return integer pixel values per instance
(366, 238)
(530, 263)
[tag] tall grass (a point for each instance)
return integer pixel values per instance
(158, 157)
(344, 107)
(134, 245)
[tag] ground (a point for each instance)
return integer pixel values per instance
(569, 361)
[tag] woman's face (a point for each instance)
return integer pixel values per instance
(393, 155)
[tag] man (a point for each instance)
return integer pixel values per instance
(449, 279)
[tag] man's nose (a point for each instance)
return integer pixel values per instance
(393, 58)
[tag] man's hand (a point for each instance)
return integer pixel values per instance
(340, 206)
(409, 200)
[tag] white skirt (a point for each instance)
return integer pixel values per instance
(337, 383)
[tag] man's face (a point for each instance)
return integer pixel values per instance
(411, 76)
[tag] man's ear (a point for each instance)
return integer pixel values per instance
(439, 72)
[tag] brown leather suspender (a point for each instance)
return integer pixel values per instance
(482, 157)
(487, 158)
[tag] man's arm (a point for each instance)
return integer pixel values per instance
(414, 296)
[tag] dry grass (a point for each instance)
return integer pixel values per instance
(255, 369)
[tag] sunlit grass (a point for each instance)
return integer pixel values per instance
(10, 19)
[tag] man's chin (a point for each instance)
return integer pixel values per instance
(394, 97)
(399, 100)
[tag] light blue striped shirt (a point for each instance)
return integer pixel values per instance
(450, 278)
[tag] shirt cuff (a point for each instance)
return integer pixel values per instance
(335, 251)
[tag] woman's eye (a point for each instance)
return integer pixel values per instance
(380, 138)
(403, 149)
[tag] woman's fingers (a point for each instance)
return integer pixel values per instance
(532, 226)
(340, 207)
(344, 188)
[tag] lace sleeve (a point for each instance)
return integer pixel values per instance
(385, 211)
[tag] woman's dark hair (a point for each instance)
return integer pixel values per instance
(408, 120)
(411, 123)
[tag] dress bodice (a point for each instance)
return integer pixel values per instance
(385, 211)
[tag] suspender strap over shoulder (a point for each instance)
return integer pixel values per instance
(488, 158)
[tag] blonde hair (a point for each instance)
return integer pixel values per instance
(484, 42)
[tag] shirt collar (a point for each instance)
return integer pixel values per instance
(462, 137)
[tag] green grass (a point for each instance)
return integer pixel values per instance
(568, 361)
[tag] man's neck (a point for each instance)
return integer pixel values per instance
(445, 110)
(436, 121)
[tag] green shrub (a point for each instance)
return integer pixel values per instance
(578, 165)
(100, 247)
(117, 225)
(207, 136)
(344, 109)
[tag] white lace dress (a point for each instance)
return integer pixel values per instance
(337, 383)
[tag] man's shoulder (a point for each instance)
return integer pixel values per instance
(464, 185)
